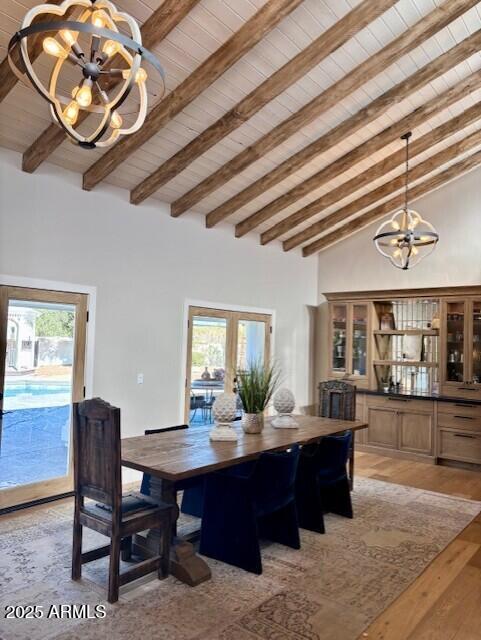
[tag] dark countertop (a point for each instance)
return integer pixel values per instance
(417, 396)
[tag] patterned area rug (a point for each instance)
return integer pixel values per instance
(329, 590)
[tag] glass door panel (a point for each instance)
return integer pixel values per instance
(339, 333)
(42, 374)
(251, 342)
(207, 367)
(359, 339)
(476, 354)
(219, 342)
(455, 339)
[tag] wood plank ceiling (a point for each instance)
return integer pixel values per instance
(282, 117)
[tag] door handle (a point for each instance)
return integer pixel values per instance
(464, 417)
(398, 399)
(464, 435)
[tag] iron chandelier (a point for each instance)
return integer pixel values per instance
(406, 238)
(95, 68)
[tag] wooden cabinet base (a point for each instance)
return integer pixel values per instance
(396, 453)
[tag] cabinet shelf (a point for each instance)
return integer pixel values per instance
(406, 332)
(403, 363)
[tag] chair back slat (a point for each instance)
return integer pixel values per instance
(337, 399)
(97, 458)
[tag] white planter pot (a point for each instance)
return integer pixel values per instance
(253, 422)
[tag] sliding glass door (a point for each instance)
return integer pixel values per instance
(220, 341)
(42, 347)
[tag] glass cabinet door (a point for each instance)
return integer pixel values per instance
(455, 340)
(476, 346)
(359, 339)
(339, 337)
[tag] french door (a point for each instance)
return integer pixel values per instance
(42, 354)
(218, 343)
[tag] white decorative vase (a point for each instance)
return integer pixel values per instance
(284, 404)
(253, 422)
(224, 411)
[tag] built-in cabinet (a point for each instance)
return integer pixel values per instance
(401, 424)
(461, 348)
(424, 343)
(349, 334)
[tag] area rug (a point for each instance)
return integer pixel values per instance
(331, 589)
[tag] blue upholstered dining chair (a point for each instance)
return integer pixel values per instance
(322, 483)
(193, 488)
(247, 502)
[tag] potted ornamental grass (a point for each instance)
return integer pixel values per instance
(256, 385)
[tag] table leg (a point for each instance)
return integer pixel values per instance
(185, 564)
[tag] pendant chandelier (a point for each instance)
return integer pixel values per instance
(96, 62)
(406, 238)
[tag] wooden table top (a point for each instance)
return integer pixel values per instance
(176, 455)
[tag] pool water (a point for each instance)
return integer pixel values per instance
(35, 388)
(35, 431)
(26, 394)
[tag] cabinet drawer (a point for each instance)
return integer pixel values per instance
(459, 421)
(459, 409)
(467, 391)
(400, 404)
(458, 445)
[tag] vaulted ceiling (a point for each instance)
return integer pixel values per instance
(281, 117)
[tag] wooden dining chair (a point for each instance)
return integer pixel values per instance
(98, 477)
(337, 399)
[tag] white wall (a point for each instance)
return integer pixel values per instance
(455, 210)
(145, 265)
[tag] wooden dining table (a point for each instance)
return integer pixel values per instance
(178, 455)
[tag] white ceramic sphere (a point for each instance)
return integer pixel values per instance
(284, 401)
(225, 408)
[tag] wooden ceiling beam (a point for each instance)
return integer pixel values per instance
(410, 39)
(7, 78)
(440, 179)
(379, 169)
(251, 32)
(153, 31)
(288, 74)
(388, 188)
(360, 119)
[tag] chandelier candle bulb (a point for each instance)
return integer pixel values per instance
(54, 48)
(84, 94)
(71, 112)
(116, 120)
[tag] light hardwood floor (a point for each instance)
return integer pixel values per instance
(444, 603)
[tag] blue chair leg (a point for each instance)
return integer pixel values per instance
(309, 504)
(229, 526)
(193, 500)
(282, 526)
(337, 498)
